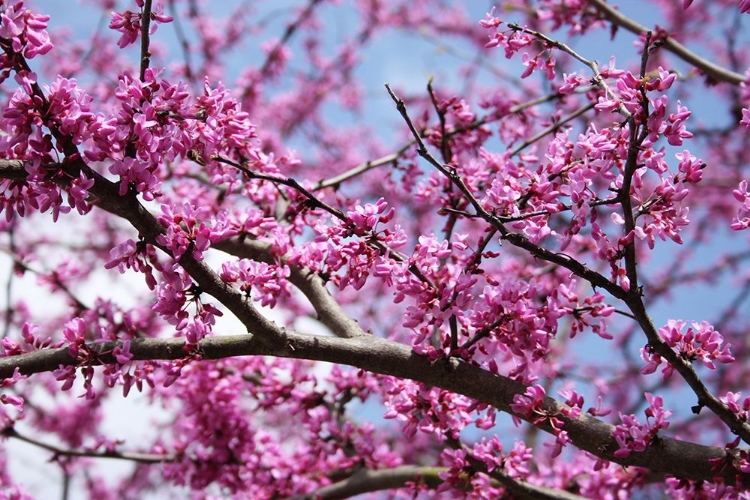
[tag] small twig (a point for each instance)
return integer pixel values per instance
(9, 284)
(393, 157)
(146, 458)
(552, 128)
(637, 134)
(145, 26)
(444, 146)
(596, 80)
(184, 44)
(286, 181)
(710, 69)
(290, 29)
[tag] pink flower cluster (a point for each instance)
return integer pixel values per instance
(23, 32)
(140, 257)
(187, 230)
(354, 245)
(67, 111)
(77, 333)
(269, 281)
(742, 219)
(175, 292)
(699, 343)
(532, 406)
(632, 436)
(128, 23)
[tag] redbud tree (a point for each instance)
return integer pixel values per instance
(460, 300)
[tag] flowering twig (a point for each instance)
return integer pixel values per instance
(145, 458)
(593, 65)
(515, 239)
(710, 69)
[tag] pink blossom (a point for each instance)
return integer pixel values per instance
(129, 23)
(25, 30)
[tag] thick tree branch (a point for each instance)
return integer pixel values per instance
(664, 456)
(368, 480)
(309, 283)
(105, 194)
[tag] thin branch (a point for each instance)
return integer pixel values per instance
(520, 490)
(145, 36)
(362, 168)
(9, 310)
(145, 458)
(593, 65)
(552, 128)
(286, 181)
(290, 29)
(393, 157)
(710, 69)
(184, 44)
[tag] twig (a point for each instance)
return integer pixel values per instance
(184, 44)
(9, 284)
(593, 65)
(552, 128)
(290, 29)
(146, 458)
(712, 70)
(286, 181)
(145, 35)
(387, 159)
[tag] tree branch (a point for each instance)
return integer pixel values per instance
(368, 480)
(145, 38)
(144, 458)
(309, 283)
(707, 67)
(664, 456)
(105, 194)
